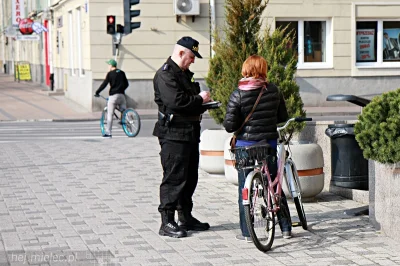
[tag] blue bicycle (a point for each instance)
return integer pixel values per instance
(129, 119)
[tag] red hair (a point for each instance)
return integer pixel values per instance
(255, 66)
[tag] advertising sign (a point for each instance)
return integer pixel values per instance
(25, 26)
(27, 37)
(18, 12)
(391, 41)
(365, 45)
(23, 71)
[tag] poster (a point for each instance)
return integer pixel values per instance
(365, 45)
(391, 41)
(23, 71)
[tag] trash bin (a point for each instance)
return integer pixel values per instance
(349, 168)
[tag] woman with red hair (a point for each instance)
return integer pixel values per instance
(261, 126)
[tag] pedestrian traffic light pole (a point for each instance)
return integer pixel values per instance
(121, 31)
(129, 26)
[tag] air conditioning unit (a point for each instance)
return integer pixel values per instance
(187, 7)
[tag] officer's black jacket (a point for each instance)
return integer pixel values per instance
(262, 124)
(175, 92)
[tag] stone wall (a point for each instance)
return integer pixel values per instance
(384, 198)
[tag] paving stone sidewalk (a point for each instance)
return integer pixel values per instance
(94, 202)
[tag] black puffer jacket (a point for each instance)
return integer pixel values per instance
(262, 124)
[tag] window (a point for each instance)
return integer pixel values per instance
(71, 43)
(377, 43)
(291, 27)
(313, 42)
(391, 41)
(78, 39)
(366, 41)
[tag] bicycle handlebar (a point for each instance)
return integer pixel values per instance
(296, 119)
(102, 97)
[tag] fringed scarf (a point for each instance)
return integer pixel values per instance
(248, 84)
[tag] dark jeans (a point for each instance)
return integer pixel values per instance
(180, 162)
(284, 223)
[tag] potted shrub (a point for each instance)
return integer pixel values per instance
(378, 128)
(377, 132)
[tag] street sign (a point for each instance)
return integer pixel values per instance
(27, 37)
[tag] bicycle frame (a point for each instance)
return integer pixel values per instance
(284, 164)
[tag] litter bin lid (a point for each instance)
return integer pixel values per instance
(340, 125)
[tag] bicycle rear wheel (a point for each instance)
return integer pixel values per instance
(103, 121)
(131, 122)
(296, 193)
(260, 222)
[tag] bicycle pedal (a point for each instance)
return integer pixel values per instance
(295, 224)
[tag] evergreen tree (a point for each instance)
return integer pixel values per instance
(277, 48)
(241, 37)
(240, 40)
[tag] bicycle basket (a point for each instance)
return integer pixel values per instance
(246, 156)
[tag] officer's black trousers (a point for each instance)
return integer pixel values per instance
(180, 162)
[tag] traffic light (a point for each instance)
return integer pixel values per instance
(129, 14)
(120, 28)
(111, 25)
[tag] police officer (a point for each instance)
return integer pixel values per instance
(180, 109)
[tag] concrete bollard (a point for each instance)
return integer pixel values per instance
(212, 150)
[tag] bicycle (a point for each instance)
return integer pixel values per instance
(129, 119)
(261, 194)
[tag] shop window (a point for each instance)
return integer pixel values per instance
(313, 42)
(391, 41)
(290, 27)
(378, 43)
(366, 39)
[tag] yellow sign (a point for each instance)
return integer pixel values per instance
(23, 71)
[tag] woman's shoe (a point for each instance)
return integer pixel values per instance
(287, 234)
(244, 238)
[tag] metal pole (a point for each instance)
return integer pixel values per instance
(3, 26)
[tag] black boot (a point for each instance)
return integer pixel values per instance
(188, 222)
(169, 227)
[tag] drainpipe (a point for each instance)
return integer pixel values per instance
(3, 37)
(50, 36)
(212, 18)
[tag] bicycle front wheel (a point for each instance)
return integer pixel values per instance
(260, 222)
(299, 205)
(103, 121)
(297, 197)
(131, 122)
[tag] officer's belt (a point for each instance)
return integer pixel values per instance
(187, 118)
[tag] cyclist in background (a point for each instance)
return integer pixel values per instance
(118, 84)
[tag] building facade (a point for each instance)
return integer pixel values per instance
(344, 46)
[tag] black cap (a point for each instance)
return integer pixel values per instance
(191, 44)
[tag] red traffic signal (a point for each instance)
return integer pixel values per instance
(111, 25)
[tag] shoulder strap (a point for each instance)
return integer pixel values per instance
(252, 111)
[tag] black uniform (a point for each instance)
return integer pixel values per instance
(178, 99)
